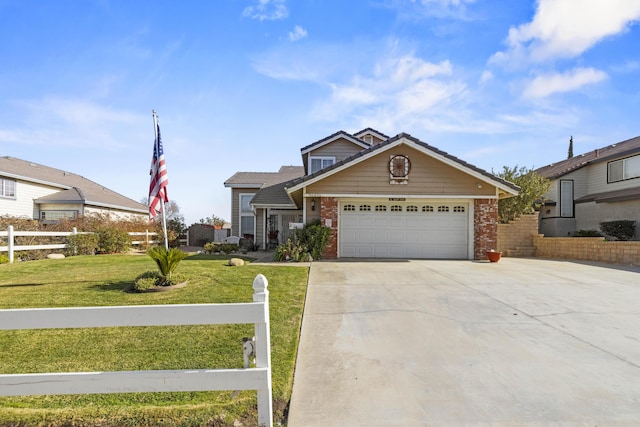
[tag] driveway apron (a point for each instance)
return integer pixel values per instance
(518, 342)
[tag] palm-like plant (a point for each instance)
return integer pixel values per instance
(166, 260)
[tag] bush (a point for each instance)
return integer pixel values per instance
(291, 250)
(146, 280)
(113, 241)
(82, 244)
(4, 259)
(211, 247)
(621, 230)
(587, 233)
(314, 237)
(167, 261)
(227, 248)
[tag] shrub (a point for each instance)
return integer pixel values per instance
(314, 237)
(82, 244)
(4, 259)
(167, 261)
(291, 250)
(587, 233)
(113, 241)
(621, 230)
(227, 248)
(211, 247)
(146, 280)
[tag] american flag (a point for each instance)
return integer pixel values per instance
(159, 180)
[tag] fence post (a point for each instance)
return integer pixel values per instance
(74, 231)
(263, 351)
(146, 239)
(10, 243)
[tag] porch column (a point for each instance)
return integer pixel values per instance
(485, 227)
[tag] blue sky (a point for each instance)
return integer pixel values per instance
(242, 85)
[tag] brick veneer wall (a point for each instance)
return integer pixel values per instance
(329, 210)
(518, 233)
(485, 227)
(588, 249)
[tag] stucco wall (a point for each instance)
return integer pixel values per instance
(588, 249)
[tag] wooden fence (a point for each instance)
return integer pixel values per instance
(258, 378)
(11, 247)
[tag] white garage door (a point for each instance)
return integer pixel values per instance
(404, 229)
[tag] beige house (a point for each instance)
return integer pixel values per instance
(382, 198)
(36, 191)
(601, 185)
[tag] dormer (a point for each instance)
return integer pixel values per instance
(332, 149)
(371, 136)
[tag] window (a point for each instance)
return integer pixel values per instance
(443, 208)
(427, 208)
(365, 208)
(624, 169)
(57, 215)
(349, 208)
(317, 163)
(7, 187)
(566, 198)
(396, 208)
(381, 208)
(412, 208)
(247, 218)
(458, 208)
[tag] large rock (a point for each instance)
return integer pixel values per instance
(55, 256)
(236, 262)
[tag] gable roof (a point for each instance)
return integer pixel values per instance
(620, 149)
(263, 179)
(331, 138)
(447, 158)
(73, 188)
(371, 131)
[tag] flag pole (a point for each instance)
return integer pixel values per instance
(164, 218)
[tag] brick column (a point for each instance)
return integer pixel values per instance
(329, 210)
(485, 227)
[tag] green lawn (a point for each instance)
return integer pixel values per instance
(103, 280)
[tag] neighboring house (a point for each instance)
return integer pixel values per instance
(382, 198)
(602, 185)
(40, 192)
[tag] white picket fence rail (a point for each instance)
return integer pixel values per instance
(258, 378)
(11, 234)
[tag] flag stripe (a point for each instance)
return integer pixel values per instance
(159, 179)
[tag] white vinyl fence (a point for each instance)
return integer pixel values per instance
(258, 378)
(11, 247)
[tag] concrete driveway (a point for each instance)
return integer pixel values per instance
(518, 342)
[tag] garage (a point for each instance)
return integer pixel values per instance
(404, 229)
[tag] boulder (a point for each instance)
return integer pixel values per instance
(55, 256)
(236, 262)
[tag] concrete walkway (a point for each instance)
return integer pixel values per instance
(456, 343)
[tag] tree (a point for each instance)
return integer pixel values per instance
(570, 154)
(532, 189)
(216, 221)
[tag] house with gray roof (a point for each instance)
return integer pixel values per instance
(35, 191)
(381, 197)
(601, 185)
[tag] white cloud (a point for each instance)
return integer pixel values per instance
(545, 85)
(416, 9)
(267, 10)
(486, 76)
(400, 90)
(567, 28)
(65, 122)
(297, 33)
